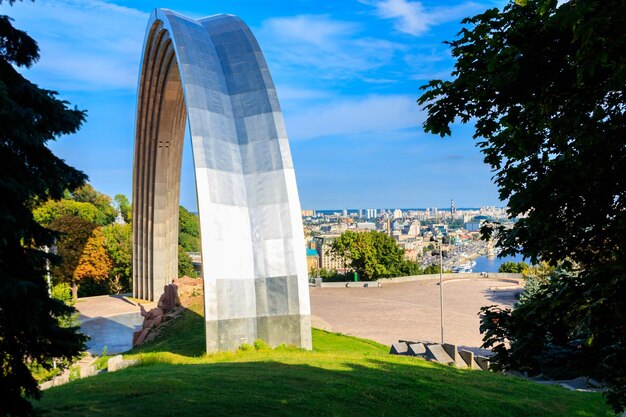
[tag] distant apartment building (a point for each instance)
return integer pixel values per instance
(312, 259)
(412, 228)
(307, 213)
(412, 249)
(326, 259)
(439, 229)
(472, 226)
(371, 213)
(366, 226)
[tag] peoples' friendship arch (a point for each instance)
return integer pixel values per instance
(212, 73)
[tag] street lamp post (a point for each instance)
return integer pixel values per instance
(440, 243)
(47, 250)
(441, 287)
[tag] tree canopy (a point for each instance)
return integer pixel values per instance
(53, 209)
(30, 117)
(87, 194)
(545, 86)
(373, 255)
(513, 267)
(188, 230)
(119, 247)
(185, 264)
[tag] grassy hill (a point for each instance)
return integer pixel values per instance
(342, 376)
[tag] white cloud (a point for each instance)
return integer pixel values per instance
(85, 44)
(295, 93)
(355, 116)
(322, 47)
(414, 18)
(431, 63)
(310, 29)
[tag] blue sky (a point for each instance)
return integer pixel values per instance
(347, 74)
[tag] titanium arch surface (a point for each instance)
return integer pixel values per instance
(212, 73)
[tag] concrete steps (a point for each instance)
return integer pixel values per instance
(85, 366)
(447, 354)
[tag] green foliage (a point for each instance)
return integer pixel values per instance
(88, 194)
(551, 330)
(332, 275)
(53, 209)
(85, 202)
(545, 84)
(188, 230)
(94, 208)
(74, 233)
(30, 117)
(47, 371)
(42, 374)
(63, 292)
(432, 269)
(534, 277)
(540, 341)
(372, 255)
(513, 267)
(103, 361)
(258, 345)
(329, 342)
(119, 246)
(261, 345)
(185, 265)
(74, 373)
(245, 347)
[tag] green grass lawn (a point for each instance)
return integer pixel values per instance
(342, 376)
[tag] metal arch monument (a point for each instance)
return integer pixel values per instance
(212, 73)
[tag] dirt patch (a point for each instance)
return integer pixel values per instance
(190, 292)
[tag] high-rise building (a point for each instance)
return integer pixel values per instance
(452, 209)
(371, 213)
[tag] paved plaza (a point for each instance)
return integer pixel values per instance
(109, 321)
(410, 310)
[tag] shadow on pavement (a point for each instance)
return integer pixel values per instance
(113, 332)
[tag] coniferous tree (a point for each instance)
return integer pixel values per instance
(29, 173)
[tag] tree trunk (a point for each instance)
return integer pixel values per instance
(74, 290)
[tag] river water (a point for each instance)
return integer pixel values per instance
(492, 263)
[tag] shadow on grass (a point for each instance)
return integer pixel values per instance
(186, 336)
(289, 383)
(343, 376)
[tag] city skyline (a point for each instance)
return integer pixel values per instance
(347, 75)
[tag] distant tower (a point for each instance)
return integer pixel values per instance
(452, 210)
